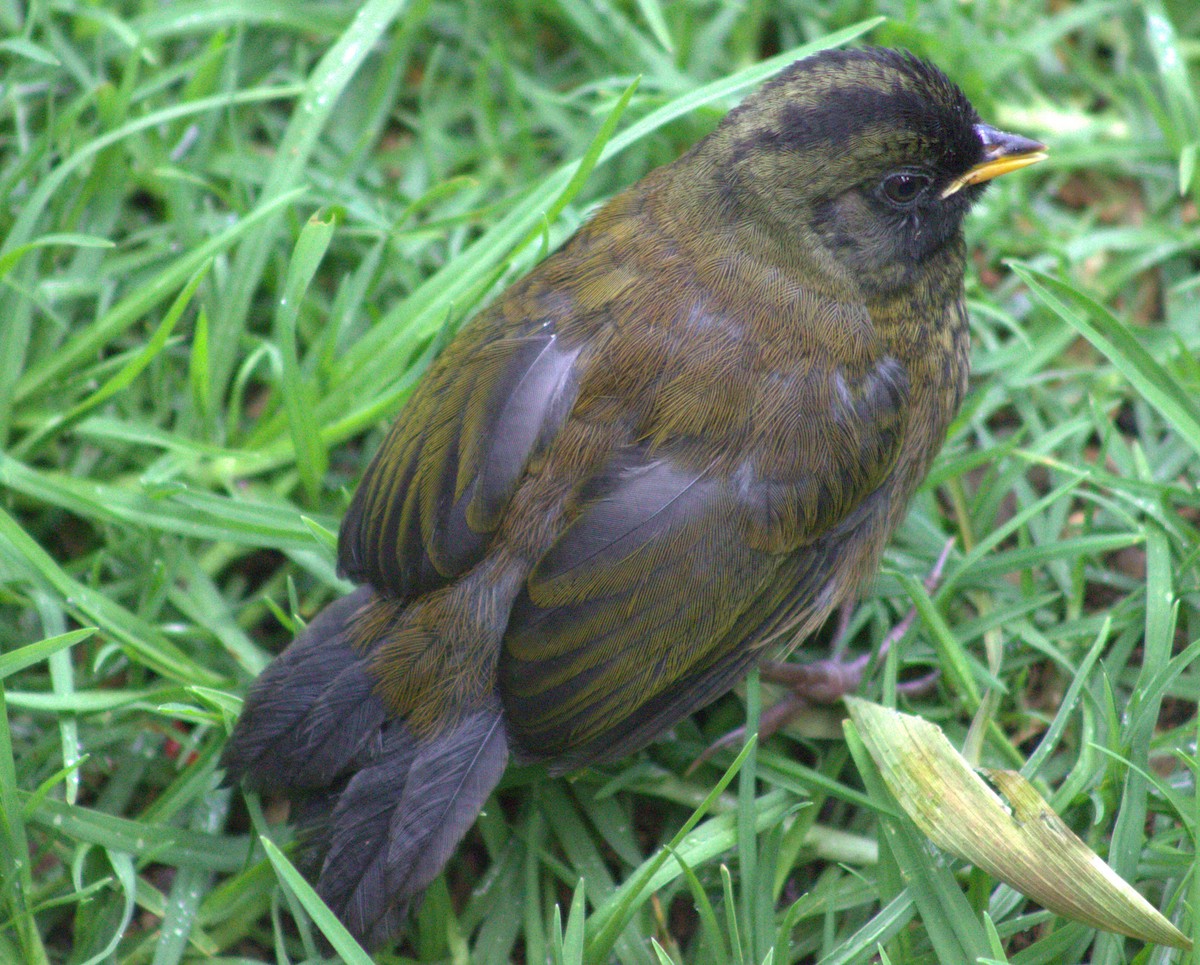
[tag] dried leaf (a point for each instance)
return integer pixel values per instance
(1024, 844)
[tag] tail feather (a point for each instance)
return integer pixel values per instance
(448, 785)
(344, 724)
(312, 816)
(355, 840)
(266, 747)
(413, 806)
(380, 807)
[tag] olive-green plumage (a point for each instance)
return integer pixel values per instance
(674, 447)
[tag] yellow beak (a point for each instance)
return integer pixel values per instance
(1002, 152)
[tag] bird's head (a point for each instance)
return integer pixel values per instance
(869, 158)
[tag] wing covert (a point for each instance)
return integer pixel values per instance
(432, 497)
(631, 598)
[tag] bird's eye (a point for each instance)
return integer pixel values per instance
(903, 187)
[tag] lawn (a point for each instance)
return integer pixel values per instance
(234, 235)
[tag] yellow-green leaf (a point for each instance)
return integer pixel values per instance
(1024, 843)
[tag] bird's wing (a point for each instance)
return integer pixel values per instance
(673, 571)
(431, 499)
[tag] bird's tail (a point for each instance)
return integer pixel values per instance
(381, 807)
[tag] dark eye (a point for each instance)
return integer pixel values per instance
(903, 188)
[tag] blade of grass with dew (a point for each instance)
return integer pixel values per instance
(609, 921)
(299, 393)
(170, 509)
(40, 377)
(321, 94)
(341, 940)
(138, 637)
(1114, 340)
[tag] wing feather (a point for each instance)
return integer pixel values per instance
(674, 572)
(432, 498)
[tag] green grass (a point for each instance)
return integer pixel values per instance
(233, 236)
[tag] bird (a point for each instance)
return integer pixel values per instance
(671, 449)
